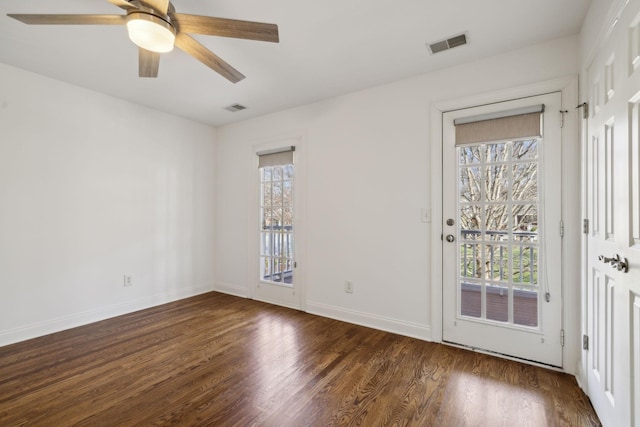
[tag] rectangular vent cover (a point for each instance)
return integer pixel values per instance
(450, 43)
(235, 107)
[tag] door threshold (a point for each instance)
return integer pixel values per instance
(503, 356)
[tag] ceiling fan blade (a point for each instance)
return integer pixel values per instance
(123, 4)
(208, 58)
(158, 5)
(148, 63)
(69, 19)
(223, 27)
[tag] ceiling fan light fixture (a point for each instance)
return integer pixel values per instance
(150, 32)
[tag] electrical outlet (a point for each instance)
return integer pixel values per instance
(128, 280)
(348, 287)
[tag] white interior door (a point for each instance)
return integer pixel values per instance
(613, 210)
(501, 227)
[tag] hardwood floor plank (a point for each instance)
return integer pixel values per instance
(220, 360)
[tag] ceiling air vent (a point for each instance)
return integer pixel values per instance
(235, 107)
(450, 43)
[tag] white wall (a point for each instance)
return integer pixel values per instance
(92, 188)
(368, 176)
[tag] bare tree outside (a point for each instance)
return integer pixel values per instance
(498, 199)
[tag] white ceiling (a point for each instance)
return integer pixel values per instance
(327, 48)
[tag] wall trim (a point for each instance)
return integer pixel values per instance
(387, 324)
(59, 324)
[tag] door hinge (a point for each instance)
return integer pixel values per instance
(561, 337)
(561, 228)
(585, 342)
(562, 113)
(585, 109)
(295, 264)
(585, 226)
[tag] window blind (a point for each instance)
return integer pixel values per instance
(276, 157)
(503, 125)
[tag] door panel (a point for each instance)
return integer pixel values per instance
(613, 193)
(502, 243)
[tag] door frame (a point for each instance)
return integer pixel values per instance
(299, 140)
(571, 198)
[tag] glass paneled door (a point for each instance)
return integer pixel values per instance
(277, 227)
(501, 230)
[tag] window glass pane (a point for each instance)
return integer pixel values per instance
(471, 260)
(277, 270)
(288, 274)
(277, 243)
(470, 184)
(498, 303)
(525, 181)
(525, 220)
(287, 215)
(289, 245)
(469, 155)
(496, 183)
(525, 265)
(496, 152)
(266, 174)
(276, 194)
(286, 247)
(496, 262)
(287, 195)
(523, 150)
(470, 299)
(265, 247)
(470, 220)
(265, 266)
(497, 222)
(266, 218)
(266, 194)
(277, 218)
(525, 307)
(288, 171)
(277, 173)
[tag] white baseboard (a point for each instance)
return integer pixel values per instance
(39, 329)
(35, 330)
(580, 377)
(396, 326)
(234, 290)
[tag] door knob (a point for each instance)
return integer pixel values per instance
(450, 238)
(620, 264)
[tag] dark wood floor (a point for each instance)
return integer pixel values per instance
(226, 361)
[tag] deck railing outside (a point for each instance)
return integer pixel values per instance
(525, 254)
(278, 242)
(523, 277)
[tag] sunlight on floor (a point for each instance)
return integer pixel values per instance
(499, 399)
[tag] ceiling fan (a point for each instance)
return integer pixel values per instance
(155, 27)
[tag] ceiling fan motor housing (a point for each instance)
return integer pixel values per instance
(150, 30)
